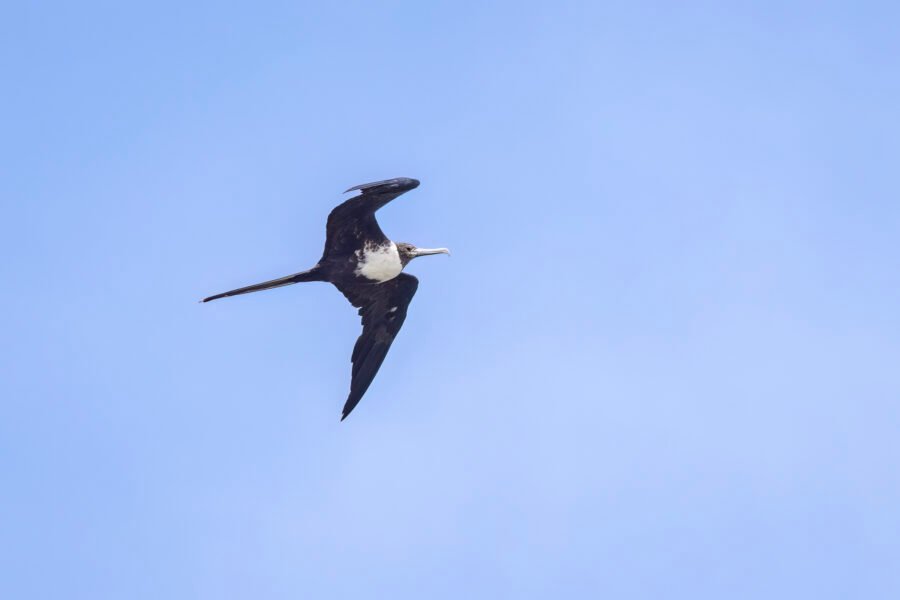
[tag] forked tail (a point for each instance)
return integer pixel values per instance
(311, 275)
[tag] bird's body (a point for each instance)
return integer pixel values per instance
(367, 268)
(378, 263)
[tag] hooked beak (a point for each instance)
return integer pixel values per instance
(427, 251)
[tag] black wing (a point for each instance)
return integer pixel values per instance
(382, 307)
(353, 223)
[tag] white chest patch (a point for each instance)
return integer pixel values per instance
(379, 263)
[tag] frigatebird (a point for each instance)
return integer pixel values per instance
(361, 262)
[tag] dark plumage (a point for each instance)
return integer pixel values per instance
(366, 267)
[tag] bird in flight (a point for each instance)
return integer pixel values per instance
(367, 267)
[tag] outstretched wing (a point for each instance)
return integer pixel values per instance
(352, 223)
(382, 307)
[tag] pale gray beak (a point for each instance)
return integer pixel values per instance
(427, 251)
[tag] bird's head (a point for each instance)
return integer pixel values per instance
(408, 252)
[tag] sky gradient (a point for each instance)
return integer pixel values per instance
(662, 362)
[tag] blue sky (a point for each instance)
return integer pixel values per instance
(661, 363)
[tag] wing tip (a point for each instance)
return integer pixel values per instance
(349, 405)
(398, 184)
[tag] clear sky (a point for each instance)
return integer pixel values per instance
(662, 362)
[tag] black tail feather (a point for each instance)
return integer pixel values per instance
(311, 275)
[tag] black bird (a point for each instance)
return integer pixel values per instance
(367, 268)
